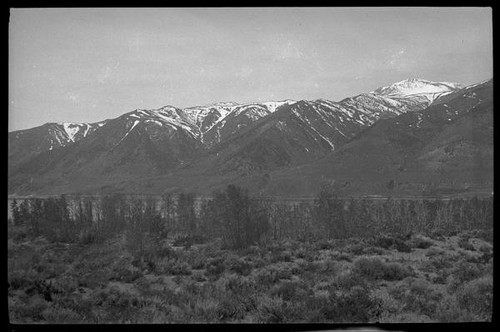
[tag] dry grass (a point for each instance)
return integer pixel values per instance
(372, 280)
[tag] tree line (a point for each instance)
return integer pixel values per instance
(240, 220)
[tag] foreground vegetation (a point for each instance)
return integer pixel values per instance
(233, 259)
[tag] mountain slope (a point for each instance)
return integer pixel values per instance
(306, 130)
(136, 144)
(25, 144)
(446, 148)
(160, 149)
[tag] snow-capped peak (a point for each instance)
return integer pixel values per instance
(273, 105)
(417, 87)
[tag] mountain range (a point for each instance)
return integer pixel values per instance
(409, 138)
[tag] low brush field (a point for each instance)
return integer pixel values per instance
(384, 278)
(235, 259)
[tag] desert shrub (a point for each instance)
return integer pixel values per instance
(485, 258)
(356, 249)
(313, 306)
(57, 315)
(215, 267)
(289, 290)
(173, 267)
(448, 311)
(437, 263)
(383, 241)
(480, 259)
(44, 288)
(417, 295)
(388, 305)
(249, 251)
(464, 243)
(32, 310)
(126, 274)
(463, 272)
(205, 310)
(437, 234)
(484, 234)
(433, 252)
(235, 306)
(325, 244)
(270, 275)
(420, 242)
(272, 248)
(19, 279)
(346, 281)
(441, 278)
(82, 306)
(275, 310)
(115, 298)
(328, 266)
(375, 269)
(281, 256)
(388, 241)
(199, 277)
(147, 262)
(228, 310)
(65, 284)
(284, 273)
(239, 285)
(356, 305)
(266, 277)
(188, 240)
(296, 268)
(485, 248)
(153, 313)
(371, 250)
(306, 253)
(306, 266)
(344, 256)
(179, 298)
(257, 262)
(402, 247)
(18, 233)
(394, 271)
(164, 250)
(238, 265)
(477, 296)
(196, 259)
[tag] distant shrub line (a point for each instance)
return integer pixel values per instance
(240, 220)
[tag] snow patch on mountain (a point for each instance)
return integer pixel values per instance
(306, 120)
(273, 105)
(71, 130)
(128, 132)
(414, 87)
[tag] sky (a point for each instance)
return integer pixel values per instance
(91, 64)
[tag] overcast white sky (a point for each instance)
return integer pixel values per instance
(87, 65)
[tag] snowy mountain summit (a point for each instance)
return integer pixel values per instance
(414, 87)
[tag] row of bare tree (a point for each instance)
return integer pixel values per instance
(240, 220)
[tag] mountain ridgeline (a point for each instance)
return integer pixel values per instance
(410, 138)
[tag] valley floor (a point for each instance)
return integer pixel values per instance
(380, 279)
